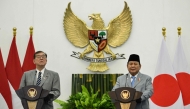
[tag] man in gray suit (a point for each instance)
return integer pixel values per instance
(48, 80)
(137, 80)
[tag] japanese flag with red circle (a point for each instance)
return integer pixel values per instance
(167, 93)
(181, 70)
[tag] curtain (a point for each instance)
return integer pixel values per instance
(99, 82)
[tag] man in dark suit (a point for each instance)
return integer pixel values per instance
(47, 79)
(137, 80)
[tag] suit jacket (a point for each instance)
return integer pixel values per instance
(143, 83)
(50, 81)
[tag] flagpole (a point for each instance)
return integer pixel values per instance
(164, 32)
(179, 31)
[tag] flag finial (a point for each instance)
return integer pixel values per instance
(31, 30)
(164, 32)
(14, 31)
(179, 31)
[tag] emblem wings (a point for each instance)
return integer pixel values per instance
(76, 30)
(118, 29)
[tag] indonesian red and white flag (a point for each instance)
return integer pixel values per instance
(167, 93)
(28, 59)
(14, 73)
(182, 71)
(3, 104)
(4, 87)
(13, 66)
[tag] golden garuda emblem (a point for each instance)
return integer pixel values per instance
(125, 94)
(32, 92)
(97, 38)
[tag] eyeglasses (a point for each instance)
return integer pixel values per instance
(41, 56)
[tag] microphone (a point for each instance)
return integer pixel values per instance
(126, 80)
(34, 77)
(35, 73)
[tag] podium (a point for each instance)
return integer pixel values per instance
(125, 97)
(32, 97)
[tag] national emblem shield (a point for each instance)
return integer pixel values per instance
(98, 39)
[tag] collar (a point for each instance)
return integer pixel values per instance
(135, 75)
(42, 71)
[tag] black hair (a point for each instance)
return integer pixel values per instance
(39, 52)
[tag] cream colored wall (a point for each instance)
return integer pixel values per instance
(46, 17)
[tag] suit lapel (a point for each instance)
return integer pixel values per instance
(45, 77)
(33, 74)
(138, 79)
(128, 80)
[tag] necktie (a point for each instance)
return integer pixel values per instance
(39, 79)
(133, 81)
